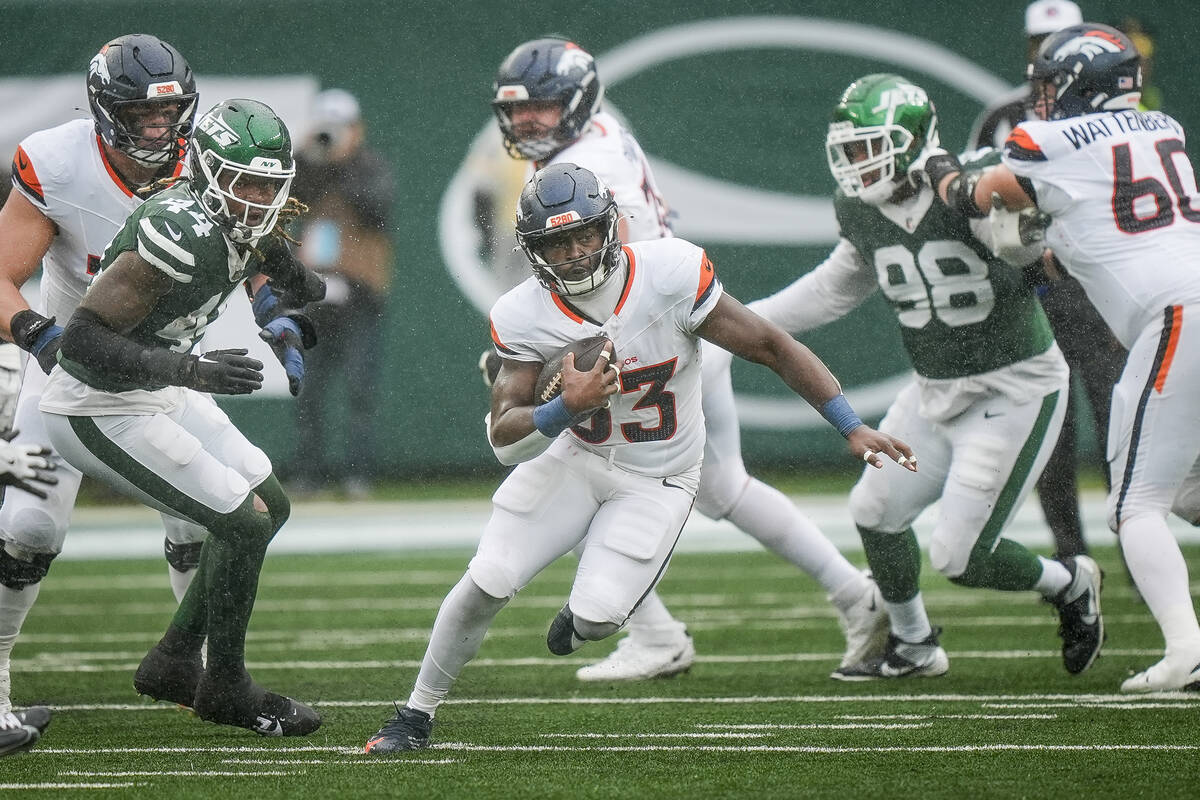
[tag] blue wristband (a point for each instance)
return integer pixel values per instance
(838, 413)
(552, 418)
(48, 334)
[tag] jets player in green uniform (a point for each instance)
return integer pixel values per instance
(130, 404)
(988, 398)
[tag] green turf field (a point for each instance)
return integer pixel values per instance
(757, 715)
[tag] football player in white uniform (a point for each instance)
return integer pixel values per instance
(73, 186)
(621, 481)
(989, 395)
(1120, 193)
(547, 99)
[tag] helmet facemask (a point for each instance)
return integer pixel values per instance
(880, 126)
(229, 185)
(130, 118)
(590, 270)
(863, 160)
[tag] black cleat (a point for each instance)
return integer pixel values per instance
(561, 638)
(21, 730)
(245, 704)
(166, 677)
(1081, 626)
(408, 730)
(900, 659)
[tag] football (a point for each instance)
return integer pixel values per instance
(549, 382)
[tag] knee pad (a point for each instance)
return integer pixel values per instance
(944, 557)
(183, 557)
(33, 530)
(492, 579)
(17, 573)
(594, 631)
(866, 508)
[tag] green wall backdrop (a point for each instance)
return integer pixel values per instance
(754, 116)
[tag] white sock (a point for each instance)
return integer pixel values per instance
(180, 581)
(651, 624)
(1161, 575)
(910, 623)
(458, 631)
(14, 608)
(1054, 578)
(769, 516)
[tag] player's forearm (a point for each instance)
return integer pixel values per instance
(12, 302)
(89, 341)
(804, 373)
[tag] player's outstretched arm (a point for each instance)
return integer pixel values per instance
(745, 334)
(25, 236)
(970, 193)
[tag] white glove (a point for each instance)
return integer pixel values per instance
(1018, 237)
(25, 466)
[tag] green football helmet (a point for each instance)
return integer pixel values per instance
(242, 167)
(880, 125)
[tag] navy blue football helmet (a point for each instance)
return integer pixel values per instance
(1084, 69)
(130, 75)
(557, 204)
(546, 70)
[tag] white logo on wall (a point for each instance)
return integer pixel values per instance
(709, 209)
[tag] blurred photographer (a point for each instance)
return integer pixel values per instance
(350, 191)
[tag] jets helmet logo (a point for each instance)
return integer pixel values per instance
(214, 126)
(902, 94)
(1089, 45)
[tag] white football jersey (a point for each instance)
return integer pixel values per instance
(1126, 219)
(608, 149)
(654, 426)
(66, 176)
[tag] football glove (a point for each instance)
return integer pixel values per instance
(38, 336)
(287, 341)
(222, 372)
(25, 466)
(1018, 237)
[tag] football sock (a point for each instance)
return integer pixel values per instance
(1055, 577)
(910, 623)
(1009, 567)
(772, 518)
(461, 623)
(895, 560)
(652, 625)
(1160, 573)
(180, 581)
(14, 607)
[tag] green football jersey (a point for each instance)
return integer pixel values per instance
(961, 310)
(171, 232)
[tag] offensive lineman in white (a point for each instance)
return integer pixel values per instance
(623, 480)
(547, 99)
(1121, 193)
(73, 187)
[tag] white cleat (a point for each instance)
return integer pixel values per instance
(865, 625)
(1165, 676)
(636, 662)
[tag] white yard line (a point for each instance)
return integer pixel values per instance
(816, 726)
(966, 748)
(1179, 700)
(16, 786)
(179, 773)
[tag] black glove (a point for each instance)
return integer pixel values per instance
(222, 372)
(290, 277)
(38, 336)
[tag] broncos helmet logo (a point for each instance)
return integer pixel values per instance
(573, 58)
(99, 66)
(1089, 45)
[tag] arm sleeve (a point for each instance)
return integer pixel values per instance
(88, 341)
(830, 291)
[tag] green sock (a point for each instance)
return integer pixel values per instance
(895, 561)
(1009, 568)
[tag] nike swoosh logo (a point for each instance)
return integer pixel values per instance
(22, 164)
(673, 486)
(990, 414)
(268, 726)
(872, 608)
(371, 744)
(174, 234)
